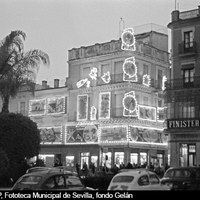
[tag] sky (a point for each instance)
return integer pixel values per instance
(56, 26)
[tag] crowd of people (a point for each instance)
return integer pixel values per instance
(92, 170)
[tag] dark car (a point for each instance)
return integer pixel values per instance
(50, 179)
(182, 178)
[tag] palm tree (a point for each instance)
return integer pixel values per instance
(18, 68)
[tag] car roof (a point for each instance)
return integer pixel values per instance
(184, 168)
(135, 172)
(50, 171)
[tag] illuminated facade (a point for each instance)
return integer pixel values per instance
(182, 90)
(116, 101)
(111, 109)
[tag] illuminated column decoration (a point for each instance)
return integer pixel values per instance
(163, 82)
(93, 113)
(130, 105)
(130, 70)
(88, 84)
(81, 82)
(106, 77)
(147, 113)
(93, 73)
(128, 39)
(146, 80)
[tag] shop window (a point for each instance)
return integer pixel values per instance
(106, 160)
(48, 159)
(134, 158)
(160, 159)
(143, 158)
(187, 155)
(85, 159)
(119, 158)
(70, 161)
(94, 160)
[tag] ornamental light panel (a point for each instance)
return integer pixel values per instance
(106, 77)
(129, 103)
(37, 107)
(147, 113)
(93, 73)
(130, 70)
(81, 82)
(128, 40)
(146, 80)
(56, 105)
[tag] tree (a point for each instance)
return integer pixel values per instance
(20, 140)
(18, 68)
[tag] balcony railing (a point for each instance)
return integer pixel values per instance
(176, 84)
(118, 78)
(187, 48)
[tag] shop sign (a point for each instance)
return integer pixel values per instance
(192, 123)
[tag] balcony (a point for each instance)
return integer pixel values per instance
(186, 49)
(118, 78)
(176, 84)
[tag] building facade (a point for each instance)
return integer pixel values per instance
(111, 109)
(182, 91)
(117, 102)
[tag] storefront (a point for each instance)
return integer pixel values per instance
(184, 142)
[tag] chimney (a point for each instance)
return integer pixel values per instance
(44, 84)
(175, 15)
(56, 83)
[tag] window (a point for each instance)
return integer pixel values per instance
(85, 159)
(160, 78)
(187, 155)
(118, 71)
(188, 75)
(123, 179)
(104, 69)
(154, 179)
(145, 69)
(188, 39)
(145, 101)
(85, 72)
(143, 180)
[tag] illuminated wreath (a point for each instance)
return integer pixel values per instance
(130, 103)
(128, 38)
(130, 68)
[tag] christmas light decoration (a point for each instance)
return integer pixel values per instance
(128, 39)
(81, 82)
(93, 113)
(37, 107)
(93, 73)
(104, 105)
(129, 103)
(147, 113)
(106, 77)
(51, 135)
(146, 80)
(88, 84)
(82, 107)
(56, 105)
(130, 70)
(163, 82)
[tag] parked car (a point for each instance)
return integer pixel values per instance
(182, 178)
(50, 179)
(136, 179)
(35, 169)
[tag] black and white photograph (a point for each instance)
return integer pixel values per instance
(99, 97)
